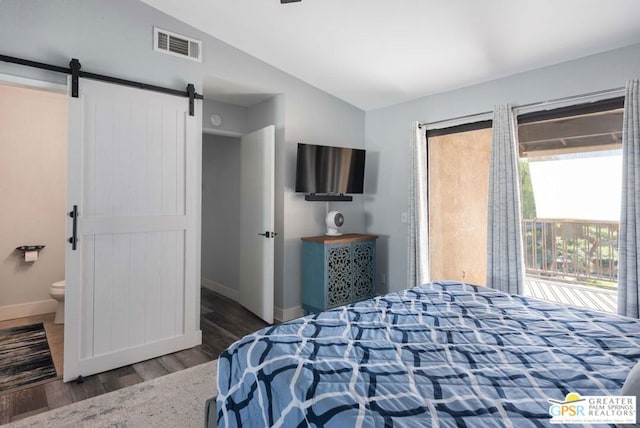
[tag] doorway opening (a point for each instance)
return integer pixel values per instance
(238, 209)
(33, 184)
(220, 219)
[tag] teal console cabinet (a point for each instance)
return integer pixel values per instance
(337, 270)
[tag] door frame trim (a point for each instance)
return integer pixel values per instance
(30, 83)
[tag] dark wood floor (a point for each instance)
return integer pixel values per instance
(222, 322)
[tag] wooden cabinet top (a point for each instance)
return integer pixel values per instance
(348, 237)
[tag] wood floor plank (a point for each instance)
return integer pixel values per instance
(90, 387)
(192, 357)
(27, 400)
(55, 338)
(215, 339)
(115, 373)
(235, 319)
(223, 321)
(29, 413)
(26, 321)
(128, 380)
(111, 379)
(5, 408)
(58, 394)
(207, 301)
(150, 369)
(170, 363)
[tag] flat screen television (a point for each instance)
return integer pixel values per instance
(329, 170)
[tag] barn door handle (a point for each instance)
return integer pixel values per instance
(74, 237)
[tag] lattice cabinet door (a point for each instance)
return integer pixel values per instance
(337, 270)
(363, 256)
(339, 266)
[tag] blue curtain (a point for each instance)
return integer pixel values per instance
(505, 262)
(629, 236)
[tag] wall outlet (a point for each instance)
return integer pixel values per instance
(404, 217)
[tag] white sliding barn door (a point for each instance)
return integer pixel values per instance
(132, 290)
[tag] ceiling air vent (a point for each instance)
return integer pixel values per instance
(176, 44)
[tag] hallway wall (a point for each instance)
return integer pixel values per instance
(220, 212)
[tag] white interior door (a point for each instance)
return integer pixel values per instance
(257, 204)
(132, 281)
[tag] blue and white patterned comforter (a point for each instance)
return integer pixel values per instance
(442, 354)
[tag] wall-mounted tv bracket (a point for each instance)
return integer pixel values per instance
(75, 71)
(314, 197)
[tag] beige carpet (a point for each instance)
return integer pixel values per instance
(174, 400)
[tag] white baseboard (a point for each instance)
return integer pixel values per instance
(22, 310)
(283, 315)
(219, 288)
(279, 314)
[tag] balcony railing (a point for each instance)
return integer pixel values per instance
(581, 249)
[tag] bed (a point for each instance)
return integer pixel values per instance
(442, 354)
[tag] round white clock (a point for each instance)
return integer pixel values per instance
(216, 119)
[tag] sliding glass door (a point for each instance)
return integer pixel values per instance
(570, 183)
(571, 163)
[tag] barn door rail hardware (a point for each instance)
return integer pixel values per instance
(76, 73)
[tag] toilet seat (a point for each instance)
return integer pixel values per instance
(59, 284)
(56, 291)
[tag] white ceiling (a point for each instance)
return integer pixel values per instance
(375, 53)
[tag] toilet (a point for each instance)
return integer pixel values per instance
(56, 291)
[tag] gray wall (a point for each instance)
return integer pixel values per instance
(234, 118)
(322, 122)
(115, 37)
(220, 207)
(388, 133)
